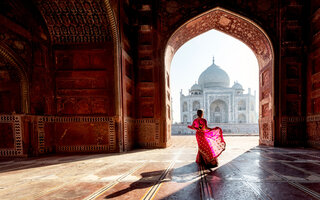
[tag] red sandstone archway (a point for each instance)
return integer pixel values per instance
(10, 58)
(249, 33)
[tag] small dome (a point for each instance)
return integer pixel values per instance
(214, 76)
(237, 86)
(196, 87)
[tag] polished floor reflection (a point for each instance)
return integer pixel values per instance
(246, 171)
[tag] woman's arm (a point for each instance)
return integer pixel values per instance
(192, 126)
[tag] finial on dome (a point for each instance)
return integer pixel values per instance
(213, 59)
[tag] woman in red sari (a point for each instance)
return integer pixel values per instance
(210, 141)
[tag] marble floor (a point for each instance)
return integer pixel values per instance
(246, 171)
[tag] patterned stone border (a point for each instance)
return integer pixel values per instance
(127, 123)
(313, 124)
(77, 148)
(15, 120)
(284, 124)
(148, 122)
(138, 124)
(313, 118)
(84, 148)
(265, 126)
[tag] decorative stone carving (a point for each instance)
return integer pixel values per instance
(148, 131)
(129, 133)
(265, 131)
(17, 126)
(103, 129)
(292, 129)
(76, 21)
(229, 23)
(313, 127)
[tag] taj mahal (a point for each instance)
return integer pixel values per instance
(224, 106)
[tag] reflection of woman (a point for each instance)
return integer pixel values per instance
(210, 141)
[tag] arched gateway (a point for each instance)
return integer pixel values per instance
(249, 33)
(93, 76)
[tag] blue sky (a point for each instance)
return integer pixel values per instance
(233, 56)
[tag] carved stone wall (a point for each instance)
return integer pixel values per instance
(10, 91)
(24, 34)
(148, 131)
(313, 76)
(130, 134)
(313, 127)
(292, 131)
(291, 84)
(25, 57)
(84, 81)
(76, 134)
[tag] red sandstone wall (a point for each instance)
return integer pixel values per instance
(84, 81)
(150, 112)
(25, 38)
(313, 77)
(291, 128)
(84, 86)
(71, 86)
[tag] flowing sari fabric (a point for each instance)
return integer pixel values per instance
(210, 142)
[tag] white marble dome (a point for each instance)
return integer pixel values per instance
(237, 86)
(196, 87)
(214, 76)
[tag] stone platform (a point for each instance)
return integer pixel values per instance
(227, 128)
(246, 171)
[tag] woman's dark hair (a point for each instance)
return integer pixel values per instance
(199, 113)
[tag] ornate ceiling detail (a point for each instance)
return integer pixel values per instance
(76, 21)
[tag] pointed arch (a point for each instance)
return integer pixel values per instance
(251, 34)
(9, 57)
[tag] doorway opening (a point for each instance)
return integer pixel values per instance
(250, 34)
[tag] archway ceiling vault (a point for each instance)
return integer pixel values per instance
(227, 22)
(75, 21)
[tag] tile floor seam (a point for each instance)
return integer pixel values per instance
(261, 194)
(52, 189)
(150, 194)
(99, 192)
(296, 185)
(84, 175)
(205, 188)
(302, 170)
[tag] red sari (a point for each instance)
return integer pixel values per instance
(210, 142)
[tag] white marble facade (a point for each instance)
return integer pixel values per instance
(220, 102)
